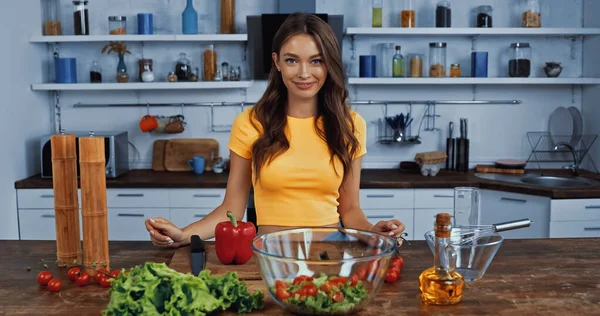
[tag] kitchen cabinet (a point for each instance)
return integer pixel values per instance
(385, 204)
(575, 218)
(497, 207)
(403, 215)
(429, 203)
(128, 223)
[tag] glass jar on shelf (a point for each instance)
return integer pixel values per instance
(142, 63)
(437, 59)
(95, 73)
(455, 70)
(117, 25)
(377, 13)
(415, 65)
(210, 63)
(443, 14)
(407, 15)
(183, 68)
(531, 16)
(519, 62)
(81, 23)
(172, 77)
(385, 58)
(52, 26)
(147, 74)
(225, 70)
(484, 16)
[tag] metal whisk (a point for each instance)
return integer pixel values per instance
(468, 234)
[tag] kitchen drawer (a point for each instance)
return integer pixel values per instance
(38, 198)
(574, 229)
(424, 220)
(197, 198)
(39, 224)
(137, 198)
(434, 198)
(403, 215)
(387, 198)
(575, 210)
(128, 223)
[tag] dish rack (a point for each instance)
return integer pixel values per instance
(386, 135)
(543, 147)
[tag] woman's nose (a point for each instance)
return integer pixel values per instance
(303, 71)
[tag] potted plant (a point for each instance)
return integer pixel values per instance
(121, 49)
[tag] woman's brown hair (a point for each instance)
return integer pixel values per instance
(270, 111)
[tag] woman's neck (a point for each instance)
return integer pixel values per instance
(301, 108)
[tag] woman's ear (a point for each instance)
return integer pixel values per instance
(276, 60)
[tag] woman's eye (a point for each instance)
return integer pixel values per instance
(316, 61)
(290, 60)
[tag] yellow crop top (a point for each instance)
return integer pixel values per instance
(300, 187)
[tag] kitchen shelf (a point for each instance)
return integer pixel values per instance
(143, 86)
(141, 38)
(471, 31)
(472, 81)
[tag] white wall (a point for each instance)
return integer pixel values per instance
(25, 115)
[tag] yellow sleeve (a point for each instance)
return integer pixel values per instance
(360, 131)
(243, 135)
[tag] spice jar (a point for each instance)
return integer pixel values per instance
(95, 73)
(377, 13)
(172, 77)
(147, 75)
(142, 63)
(531, 14)
(484, 16)
(52, 24)
(225, 70)
(415, 65)
(194, 77)
(519, 63)
(455, 70)
(407, 16)
(117, 25)
(210, 63)
(81, 23)
(183, 68)
(437, 59)
(443, 14)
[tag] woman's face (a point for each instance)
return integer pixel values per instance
(301, 66)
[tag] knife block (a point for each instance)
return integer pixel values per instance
(93, 203)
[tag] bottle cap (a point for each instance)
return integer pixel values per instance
(442, 219)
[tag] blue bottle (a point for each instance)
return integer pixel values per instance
(189, 19)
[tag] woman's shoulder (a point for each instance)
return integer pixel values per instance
(358, 120)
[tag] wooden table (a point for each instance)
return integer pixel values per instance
(527, 277)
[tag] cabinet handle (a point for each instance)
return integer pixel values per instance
(48, 216)
(130, 194)
(443, 196)
(513, 200)
(381, 216)
(130, 215)
(207, 195)
(591, 228)
(380, 196)
(47, 196)
(592, 206)
(200, 215)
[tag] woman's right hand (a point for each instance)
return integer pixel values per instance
(164, 234)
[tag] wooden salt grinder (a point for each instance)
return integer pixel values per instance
(66, 205)
(93, 203)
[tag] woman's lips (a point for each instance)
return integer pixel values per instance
(304, 85)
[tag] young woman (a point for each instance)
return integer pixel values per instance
(300, 146)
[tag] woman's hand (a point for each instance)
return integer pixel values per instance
(392, 227)
(164, 234)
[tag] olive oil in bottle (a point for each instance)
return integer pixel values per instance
(442, 284)
(398, 64)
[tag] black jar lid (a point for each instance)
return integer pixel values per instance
(519, 45)
(80, 2)
(438, 44)
(117, 18)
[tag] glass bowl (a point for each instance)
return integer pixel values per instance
(472, 258)
(323, 271)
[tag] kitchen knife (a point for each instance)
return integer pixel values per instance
(466, 148)
(449, 160)
(198, 255)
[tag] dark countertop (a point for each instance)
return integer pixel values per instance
(370, 178)
(526, 277)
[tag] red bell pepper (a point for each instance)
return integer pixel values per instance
(233, 240)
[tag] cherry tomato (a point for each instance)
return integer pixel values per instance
(398, 262)
(44, 277)
(354, 280)
(326, 287)
(73, 272)
(310, 289)
(300, 294)
(362, 273)
(301, 279)
(100, 273)
(115, 273)
(282, 294)
(280, 284)
(83, 279)
(54, 285)
(395, 269)
(338, 281)
(338, 297)
(104, 281)
(391, 276)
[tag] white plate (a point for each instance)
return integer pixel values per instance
(560, 125)
(577, 126)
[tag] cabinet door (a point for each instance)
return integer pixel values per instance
(424, 219)
(182, 217)
(128, 223)
(387, 198)
(403, 215)
(498, 207)
(575, 229)
(40, 224)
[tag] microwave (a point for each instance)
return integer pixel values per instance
(116, 152)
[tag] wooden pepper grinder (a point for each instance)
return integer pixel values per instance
(66, 205)
(93, 203)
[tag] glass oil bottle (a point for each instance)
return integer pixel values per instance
(442, 284)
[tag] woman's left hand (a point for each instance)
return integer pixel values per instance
(392, 227)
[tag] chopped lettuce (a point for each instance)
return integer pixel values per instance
(155, 289)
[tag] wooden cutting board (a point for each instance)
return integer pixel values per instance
(158, 155)
(181, 262)
(179, 151)
(494, 169)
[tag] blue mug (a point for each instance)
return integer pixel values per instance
(197, 164)
(145, 23)
(368, 66)
(479, 64)
(65, 70)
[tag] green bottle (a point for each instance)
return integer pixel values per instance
(398, 64)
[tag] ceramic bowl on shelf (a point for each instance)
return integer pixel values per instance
(553, 69)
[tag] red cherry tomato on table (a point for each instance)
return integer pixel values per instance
(83, 279)
(115, 273)
(99, 274)
(44, 277)
(73, 273)
(398, 262)
(54, 285)
(391, 276)
(338, 297)
(104, 281)
(282, 294)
